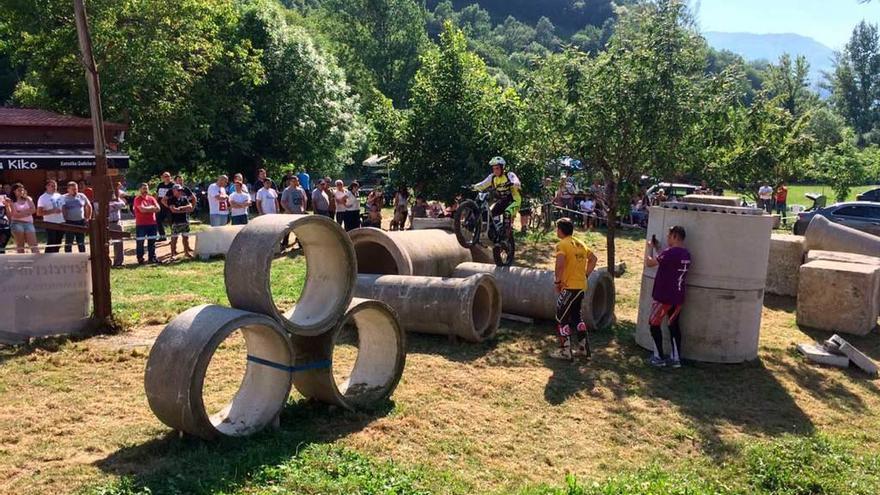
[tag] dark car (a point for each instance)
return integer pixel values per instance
(861, 215)
(872, 195)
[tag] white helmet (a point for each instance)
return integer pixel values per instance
(497, 161)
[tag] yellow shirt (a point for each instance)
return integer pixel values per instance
(575, 270)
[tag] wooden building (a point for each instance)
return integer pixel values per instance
(36, 145)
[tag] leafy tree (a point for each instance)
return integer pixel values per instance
(384, 37)
(459, 118)
(855, 82)
(632, 107)
(827, 128)
(545, 34)
(787, 82)
(843, 166)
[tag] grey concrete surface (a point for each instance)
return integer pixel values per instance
(215, 241)
(817, 354)
(530, 292)
(330, 271)
(428, 253)
(179, 359)
(858, 358)
(468, 308)
(377, 369)
(825, 235)
(704, 199)
(786, 257)
(839, 297)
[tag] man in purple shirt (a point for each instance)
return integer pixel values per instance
(669, 286)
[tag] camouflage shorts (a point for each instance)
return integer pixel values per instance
(179, 228)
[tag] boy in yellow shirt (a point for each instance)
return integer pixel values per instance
(574, 264)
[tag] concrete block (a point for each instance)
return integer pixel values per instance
(857, 357)
(433, 223)
(818, 254)
(840, 297)
(704, 199)
(817, 354)
(215, 241)
(786, 257)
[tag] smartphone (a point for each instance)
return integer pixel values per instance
(654, 241)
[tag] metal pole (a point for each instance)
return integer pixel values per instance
(98, 238)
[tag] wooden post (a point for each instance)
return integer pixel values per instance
(98, 237)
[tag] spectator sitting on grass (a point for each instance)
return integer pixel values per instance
(267, 198)
(180, 207)
(239, 202)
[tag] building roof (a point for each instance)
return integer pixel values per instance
(33, 117)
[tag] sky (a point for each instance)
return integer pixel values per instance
(828, 21)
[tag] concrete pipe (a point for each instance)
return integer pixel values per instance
(175, 375)
(377, 370)
(530, 292)
(427, 253)
(468, 308)
(330, 271)
(825, 235)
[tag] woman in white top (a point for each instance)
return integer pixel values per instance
(240, 201)
(343, 201)
(21, 209)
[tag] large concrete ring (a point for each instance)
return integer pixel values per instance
(599, 300)
(427, 253)
(179, 359)
(330, 271)
(469, 308)
(377, 370)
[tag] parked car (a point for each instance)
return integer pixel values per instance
(672, 190)
(861, 215)
(872, 195)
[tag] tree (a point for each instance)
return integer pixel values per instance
(843, 166)
(459, 118)
(787, 83)
(827, 128)
(631, 108)
(855, 82)
(385, 37)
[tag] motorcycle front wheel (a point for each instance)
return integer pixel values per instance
(467, 224)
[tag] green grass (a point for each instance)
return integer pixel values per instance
(797, 193)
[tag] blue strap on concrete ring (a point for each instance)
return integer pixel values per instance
(290, 369)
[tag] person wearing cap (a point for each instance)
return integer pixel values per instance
(180, 207)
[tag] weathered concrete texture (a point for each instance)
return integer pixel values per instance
(469, 308)
(433, 223)
(837, 296)
(330, 271)
(377, 370)
(862, 259)
(731, 338)
(817, 354)
(730, 249)
(176, 368)
(824, 235)
(704, 199)
(786, 257)
(428, 253)
(215, 241)
(530, 292)
(857, 357)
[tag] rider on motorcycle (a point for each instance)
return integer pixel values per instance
(507, 189)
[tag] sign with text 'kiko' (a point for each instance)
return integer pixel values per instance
(44, 294)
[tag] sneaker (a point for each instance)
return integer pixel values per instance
(674, 363)
(657, 362)
(562, 353)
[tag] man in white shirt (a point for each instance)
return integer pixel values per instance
(218, 202)
(49, 207)
(765, 197)
(267, 198)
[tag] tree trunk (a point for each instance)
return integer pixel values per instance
(611, 216)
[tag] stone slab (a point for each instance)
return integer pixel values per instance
(817, 354)
(445, 223)
(838, 297)
(786, 257)
(215, 241)
(818, 254)
(857, 357)
(705, 199)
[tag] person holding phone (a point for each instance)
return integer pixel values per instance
(673, 264)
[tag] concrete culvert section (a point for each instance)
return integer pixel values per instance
(825, 235)
(381, 356)
(428, 253)
(530, 292)
(179, 360)
(330, 271)
(469, 308)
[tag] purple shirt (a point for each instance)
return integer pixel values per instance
(669, 286)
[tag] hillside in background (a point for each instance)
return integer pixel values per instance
(568, 15)
(770, 46)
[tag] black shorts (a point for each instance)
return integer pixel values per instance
(568, 308)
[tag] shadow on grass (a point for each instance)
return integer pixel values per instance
(183, 464)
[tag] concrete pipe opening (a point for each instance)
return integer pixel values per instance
(600, 300)
(374, 257)
(333, 374)
(329, 279)
(485, 308)
(177, 375)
